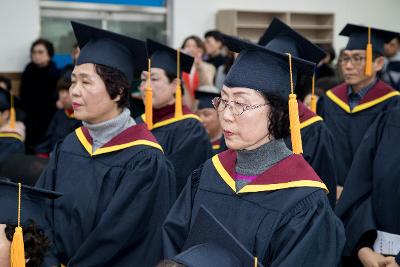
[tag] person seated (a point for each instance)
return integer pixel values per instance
(201, 75)
(63, 122)
(118, 185)
(214, 44)
(209, 118)
(23, 229)
(12, 132)
(177, 129)
(351, 107)
(269, 197)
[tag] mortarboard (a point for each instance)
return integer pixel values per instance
(107, 48)
(369, 39)
(210, 244)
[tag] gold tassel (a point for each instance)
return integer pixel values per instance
(295, 134)
(313, 97)
(149, 101)
(12, 113)
(255, 262)
(17, 254)
(178, 92)
(368, 56)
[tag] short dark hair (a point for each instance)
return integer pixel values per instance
(196, 39)
(116, 82)
(36, 243)
(171, 77)
(217, 35)
(7, 82)
(49, 46)
(279, 116)
(63, 84)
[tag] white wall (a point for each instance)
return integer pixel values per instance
(19, 26)
(198, 16)
(20, 20)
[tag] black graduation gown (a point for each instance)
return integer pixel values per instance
(317, 148)
(371, 197)
(62, 124)
(114, 202)
(184, 140)
(282, 217)
(10, 143)
(349, 126)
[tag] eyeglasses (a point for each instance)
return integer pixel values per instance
(355, 60)
(235, 107)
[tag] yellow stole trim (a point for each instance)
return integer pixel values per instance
(360, 107)
(263, 187)
(310, 121)
(12, 135)
(172, 120)
(216, 146)
(223, 173)
(103, 150)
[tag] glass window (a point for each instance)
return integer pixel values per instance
(138, 22)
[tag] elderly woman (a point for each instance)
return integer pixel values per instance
(117, 183)
(182, 136)
(270, 199)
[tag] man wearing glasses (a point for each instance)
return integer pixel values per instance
(350, 108)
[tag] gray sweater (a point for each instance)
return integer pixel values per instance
(256, 161)
(103, 132)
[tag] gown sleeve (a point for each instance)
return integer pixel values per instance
(308, 235)
(193, 149)
(319, 151)
(355, 205)
(177, 224)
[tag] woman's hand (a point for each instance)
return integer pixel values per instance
(370, 258)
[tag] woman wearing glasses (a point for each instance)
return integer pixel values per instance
(266, 196)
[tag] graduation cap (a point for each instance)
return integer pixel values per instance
(172, 62)
(19, 204)
(205, 99)
(5, 98)
(262, 69)
(270, 72)
(114, 50)
(7, 102)
(210, 244)
(369, 39)
(279, 37)
(166, 58)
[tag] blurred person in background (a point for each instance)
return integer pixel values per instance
(38, 92)
(201, 75)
